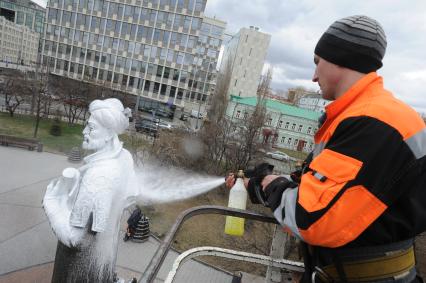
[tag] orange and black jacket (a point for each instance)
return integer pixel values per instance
(366, 184)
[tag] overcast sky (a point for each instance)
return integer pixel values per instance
(296, 26)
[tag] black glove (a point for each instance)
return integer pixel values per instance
(256, 176)
(273, 192)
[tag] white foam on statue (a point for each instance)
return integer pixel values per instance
(84, 205)
(161, 184)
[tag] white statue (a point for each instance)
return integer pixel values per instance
(84, 205)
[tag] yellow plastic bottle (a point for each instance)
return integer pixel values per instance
(237, 199)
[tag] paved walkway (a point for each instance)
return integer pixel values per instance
(28, 245)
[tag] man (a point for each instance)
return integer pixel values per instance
(362, 196)
(84, 206)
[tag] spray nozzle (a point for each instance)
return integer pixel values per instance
(240, 174)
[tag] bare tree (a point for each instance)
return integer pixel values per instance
(248, 136)
(217, 125)
(13, 92)
(38, 89)
(74, 97)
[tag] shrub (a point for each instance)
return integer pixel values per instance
(55, 129)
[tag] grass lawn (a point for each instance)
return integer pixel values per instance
(23, 126)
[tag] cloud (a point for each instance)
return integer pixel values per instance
(296, 26)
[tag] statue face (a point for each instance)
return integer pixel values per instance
(95, 136)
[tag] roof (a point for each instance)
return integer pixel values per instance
(285, 109)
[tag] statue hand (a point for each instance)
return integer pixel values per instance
(64, 189)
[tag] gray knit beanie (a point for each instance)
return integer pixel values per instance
(356, 42)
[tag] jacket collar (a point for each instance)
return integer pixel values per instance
(353, 93)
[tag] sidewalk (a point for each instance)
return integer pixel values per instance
(28, 245)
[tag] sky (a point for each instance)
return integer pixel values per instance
(296, 26)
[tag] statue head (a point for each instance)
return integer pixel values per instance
(107, 120)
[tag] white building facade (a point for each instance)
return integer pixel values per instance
(246, 53)
(146, 48)
(313, 102)
(18, 44)
(23, 12)
(291, 127)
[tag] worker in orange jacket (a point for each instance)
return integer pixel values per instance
(361, 199)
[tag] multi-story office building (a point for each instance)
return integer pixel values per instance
(208, 48)
(293, 127)
(23, 12)
(18, 44)
(148, 48)
(245, 55)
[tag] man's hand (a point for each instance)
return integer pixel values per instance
(230, 181)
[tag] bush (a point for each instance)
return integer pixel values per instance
(55, 129)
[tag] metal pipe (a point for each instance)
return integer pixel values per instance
(232, 254)
(157, 260)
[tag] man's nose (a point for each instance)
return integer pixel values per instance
(315, 77)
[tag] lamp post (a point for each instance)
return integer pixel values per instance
(201, 98)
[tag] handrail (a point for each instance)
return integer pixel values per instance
(232, 254)
(157, 260)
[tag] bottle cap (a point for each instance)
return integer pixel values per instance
(240, 174)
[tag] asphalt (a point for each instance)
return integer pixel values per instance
(28, 245)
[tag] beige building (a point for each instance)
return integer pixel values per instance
(246, 53)
(18, 44)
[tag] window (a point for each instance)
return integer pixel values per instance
(300, 128)
(163, 89)
(147, 85)
(269, 121)
(286, 125)
(156, 87)
(293, 126)
(309, 130)
(280, 123)
(296, 141)
(238, 114)
(289, 141)
(282, 139)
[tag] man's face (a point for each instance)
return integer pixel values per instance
(95, 136)
(328, 76)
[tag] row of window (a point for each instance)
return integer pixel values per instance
(131, 82)
(170, 21)
(150, 36)
(192, 81)
(294, 143)
(149, 54)
(294, 127)
(129, 10)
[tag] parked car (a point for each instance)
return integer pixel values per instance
(183, 117)
(163, 125)
(196, 114)
(162, 113)
(279, 156)
(147, 126)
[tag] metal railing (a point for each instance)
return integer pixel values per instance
(154, 265)
(235, 255)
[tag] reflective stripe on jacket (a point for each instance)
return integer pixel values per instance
(366, 184)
